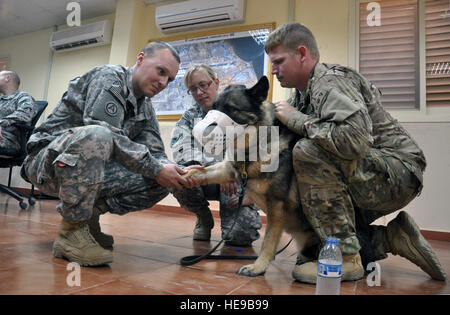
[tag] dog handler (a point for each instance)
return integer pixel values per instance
(353, 156)
(101, 151)
(202, 83)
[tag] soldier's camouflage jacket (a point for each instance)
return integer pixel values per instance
(341, 111)
(104, 96)
(185, 148)
(17, 107)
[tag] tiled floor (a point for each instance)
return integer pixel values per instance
(148, 247)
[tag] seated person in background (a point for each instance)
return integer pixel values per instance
(101, 151)
(15, 107)
(202, 83)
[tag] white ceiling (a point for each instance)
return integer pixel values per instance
(24, 16)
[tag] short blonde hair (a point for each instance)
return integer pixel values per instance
(291, 35)
(153, 47)
(202, 68)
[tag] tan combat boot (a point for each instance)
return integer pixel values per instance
(75, 243)
(203, 226)
(352, 269)
(105, 240)
(403, 238)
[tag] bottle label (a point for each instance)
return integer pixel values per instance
(329, 271)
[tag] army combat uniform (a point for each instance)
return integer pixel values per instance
(99, 142)
(17, 107)
(353, 155)
(186, 151)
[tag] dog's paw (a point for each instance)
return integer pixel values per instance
(194, 173)
(250, 271)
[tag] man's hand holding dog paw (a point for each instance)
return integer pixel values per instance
(194, 175)
(171, 177)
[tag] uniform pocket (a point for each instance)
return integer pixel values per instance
(73, 169)
(67, 158)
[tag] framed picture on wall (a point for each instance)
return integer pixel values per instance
(236, 54)
(4, 63)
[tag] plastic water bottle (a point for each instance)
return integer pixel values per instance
(329, 269)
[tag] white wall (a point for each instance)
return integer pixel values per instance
(431, 208)
(29, 57)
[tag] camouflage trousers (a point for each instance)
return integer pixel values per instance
(331, 189)
(248, 221)
(78, 168)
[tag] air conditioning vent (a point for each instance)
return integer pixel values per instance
(198, 13)
(90, 35)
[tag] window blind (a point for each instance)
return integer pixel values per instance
(437, 47)
(389, 54)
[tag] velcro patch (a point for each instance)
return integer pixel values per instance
(111, 109)
(107, 108)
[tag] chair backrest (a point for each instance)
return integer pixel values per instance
(27, 130)
(41, 105)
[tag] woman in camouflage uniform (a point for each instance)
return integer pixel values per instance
(202, 83)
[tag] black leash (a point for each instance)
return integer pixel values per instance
(190, 260)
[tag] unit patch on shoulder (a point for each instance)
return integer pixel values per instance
(111, 109)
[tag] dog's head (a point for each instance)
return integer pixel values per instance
(241, 104)
(236, 107)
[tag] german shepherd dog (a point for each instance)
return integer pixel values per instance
(275, 192)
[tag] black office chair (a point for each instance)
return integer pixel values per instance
(15, 158)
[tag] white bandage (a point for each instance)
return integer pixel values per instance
(213, 142)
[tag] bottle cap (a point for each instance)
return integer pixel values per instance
(332, 240)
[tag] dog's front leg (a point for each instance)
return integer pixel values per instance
(219, 173)
(275, 224)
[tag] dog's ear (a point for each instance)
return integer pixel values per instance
(260, 90)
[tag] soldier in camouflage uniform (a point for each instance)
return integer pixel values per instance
(15, 107)
(202, 83)
(100, 151)
(352, 157)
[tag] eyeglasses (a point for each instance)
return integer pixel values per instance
(202, 86)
